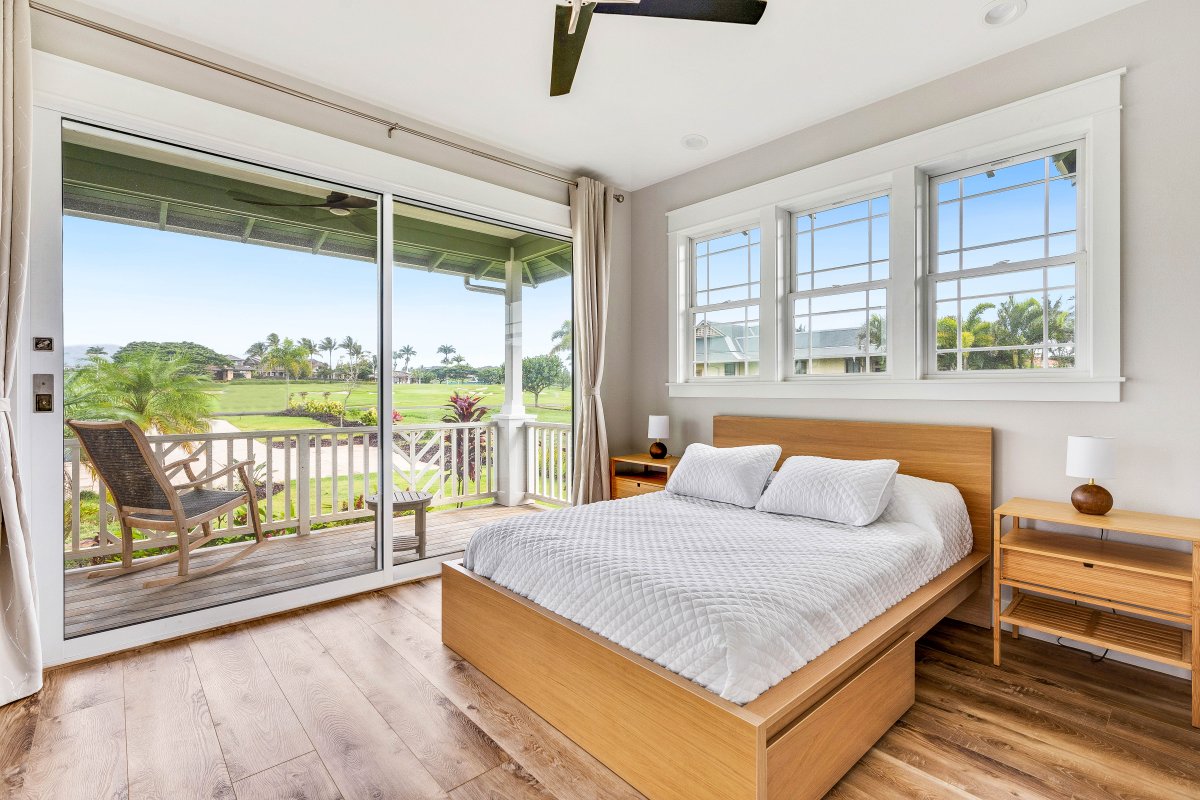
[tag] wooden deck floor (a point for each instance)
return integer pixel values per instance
(99, 604)
(358, 698)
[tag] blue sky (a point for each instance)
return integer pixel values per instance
(123, 283)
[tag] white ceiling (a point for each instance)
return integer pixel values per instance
(482, 67)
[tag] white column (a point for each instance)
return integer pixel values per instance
(510, 422)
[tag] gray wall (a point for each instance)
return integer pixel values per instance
(1156, 422)
(97, 49)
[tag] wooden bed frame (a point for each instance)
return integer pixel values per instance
(671, 738)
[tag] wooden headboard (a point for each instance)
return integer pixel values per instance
(948, 453)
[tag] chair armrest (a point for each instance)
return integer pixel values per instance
(221, 473)
(175, 466)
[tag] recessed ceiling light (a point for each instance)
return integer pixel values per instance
(694, 141)
(1001, 12)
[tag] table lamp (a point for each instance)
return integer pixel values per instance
(660, 428)
(1091, 457)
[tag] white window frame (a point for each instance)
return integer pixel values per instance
(1079, 258)
(789, 369)
(1088, 111)
(65, 89)
(693, 308)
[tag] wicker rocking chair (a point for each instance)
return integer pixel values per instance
(145, 498)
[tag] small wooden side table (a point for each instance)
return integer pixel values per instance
(1076, 586)
(640, 473)
(404, 501)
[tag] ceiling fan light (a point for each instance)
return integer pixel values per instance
(340, 212)
(998, 13)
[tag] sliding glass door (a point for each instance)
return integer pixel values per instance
(230, 315)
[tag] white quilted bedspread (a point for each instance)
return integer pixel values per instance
(731, 598)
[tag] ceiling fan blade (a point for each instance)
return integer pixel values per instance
(568, 47)
(741, 12)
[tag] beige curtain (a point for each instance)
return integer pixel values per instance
(20, 648)
(591, 229)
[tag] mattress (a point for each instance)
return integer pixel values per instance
(731, 598)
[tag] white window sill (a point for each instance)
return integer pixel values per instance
(1069, 389)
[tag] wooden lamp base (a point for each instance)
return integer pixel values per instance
(1092, 499)
(659, 450)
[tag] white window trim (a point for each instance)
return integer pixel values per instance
(1088, 111)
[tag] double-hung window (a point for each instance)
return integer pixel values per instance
(724, 309)
(838, 298)
(1008, 264)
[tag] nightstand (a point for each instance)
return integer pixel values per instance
(1086, 589)
(639, 474)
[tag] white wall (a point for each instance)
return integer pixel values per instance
(1156, 422)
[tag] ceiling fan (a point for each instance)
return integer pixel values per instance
(572, 20)
(339, 203)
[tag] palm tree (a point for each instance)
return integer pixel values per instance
(446, 351)
(97, 350)
(154, 393)
(272, 340)
(564, 340)
(328, 345)
(290, 357)
(350, 346)
(408, 353)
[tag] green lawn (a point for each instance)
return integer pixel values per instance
(265, 422)
(419, 403)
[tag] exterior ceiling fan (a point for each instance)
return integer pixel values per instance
(572, 20)
(339, 203)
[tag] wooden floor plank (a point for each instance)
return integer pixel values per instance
(449, 745)
(172, 745)
(423, 598)
(563, 768)
(302, 778)
(255, 726)
(504, 782)
(363, 754)
(375, 692)
(78, 756)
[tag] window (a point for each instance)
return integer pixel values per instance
(725, 284)
(918, 269)
(1007, 262)
(839, 288)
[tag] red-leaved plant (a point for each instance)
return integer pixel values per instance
(465, 407)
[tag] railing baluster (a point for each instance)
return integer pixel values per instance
(303, 488)
(335, 445)
(75, 490)
(289, 495)
(270, 471)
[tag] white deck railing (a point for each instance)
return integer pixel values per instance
(322, 476)
(549, 450)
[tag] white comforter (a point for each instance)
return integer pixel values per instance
(731, 598)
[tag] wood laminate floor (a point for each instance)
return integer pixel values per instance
(358, 699)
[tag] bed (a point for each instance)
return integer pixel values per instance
(672, 736)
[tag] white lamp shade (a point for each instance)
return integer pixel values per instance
(1091, 456)
(660, 428)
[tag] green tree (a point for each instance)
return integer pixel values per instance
(539, 373)
(407, 353)
(494, 375)
(290, 357)
(97, 350)
(327, 346)
(446, 350)
(196, 357)
(163, 395)
(257, 351)
(564, 340)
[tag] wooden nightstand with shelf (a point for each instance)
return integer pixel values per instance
(639, 474)
(1086, 589)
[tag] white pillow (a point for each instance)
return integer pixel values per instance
(734, 475)
(850, 492)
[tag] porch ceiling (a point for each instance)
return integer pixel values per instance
(117, 187)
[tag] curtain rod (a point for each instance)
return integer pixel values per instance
(391, 126)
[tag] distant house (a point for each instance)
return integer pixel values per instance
(731, 350)
(400, 376)
(239, 368)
